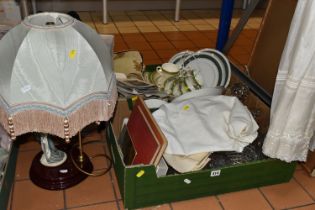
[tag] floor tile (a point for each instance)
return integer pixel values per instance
(286, 195)
(122, 17)
(145, 29)
(205, 27)
(9, 204)
(149, 55)
(213, 22)
(212, 35)
(204, 43)
(139, 45)
(181, 22)
(113, 30)
(93, 190)
(189, 15)
(306, 181)
(154, 37)
(115, 183)
(102, 206)
(96, 152)
(206, 203)
(133, 37)
(195, 35)
(29, 196)
(162, 22)
(166, 54)
(167, 28)
(23, 164)
(244, 200)
(175, 36)
(129, 29)
(139, 18)
(162, 45)
(121, 24)
(101, 24)
(186, 28)
(143, 23)
(120, 46)
(307, 207)
(198, 21)
(184, 45)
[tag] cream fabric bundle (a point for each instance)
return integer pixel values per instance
(206, 124)
(201, 125)
(185, 163)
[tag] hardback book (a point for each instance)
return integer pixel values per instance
(142, 141)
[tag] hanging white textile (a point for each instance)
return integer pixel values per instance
(292, 121)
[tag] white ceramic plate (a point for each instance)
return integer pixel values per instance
(180, 57)
(224, 63)
(207, 67)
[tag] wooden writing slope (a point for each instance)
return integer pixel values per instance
(148, 141)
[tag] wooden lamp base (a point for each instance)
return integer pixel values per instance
(60, 177)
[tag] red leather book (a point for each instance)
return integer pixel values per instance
(147, 138)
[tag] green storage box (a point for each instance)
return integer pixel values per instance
(139, 185)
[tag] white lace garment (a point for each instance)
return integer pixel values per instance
(292, 121)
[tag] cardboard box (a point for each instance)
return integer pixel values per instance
(140, 186)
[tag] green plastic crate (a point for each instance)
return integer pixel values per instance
(140, 187)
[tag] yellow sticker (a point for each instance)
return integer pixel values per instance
(134, 98)
(72, 54)
(186, 107)
(140, 173)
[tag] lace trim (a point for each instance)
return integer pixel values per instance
(287, 146)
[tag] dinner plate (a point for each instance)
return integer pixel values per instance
(224, 63)
(180, 57)
(207, 67)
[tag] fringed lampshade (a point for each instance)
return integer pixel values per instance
(56, 76)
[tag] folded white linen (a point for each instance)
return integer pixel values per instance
(186, 163)
(206, 124)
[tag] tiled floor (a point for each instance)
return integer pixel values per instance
(157, 37)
